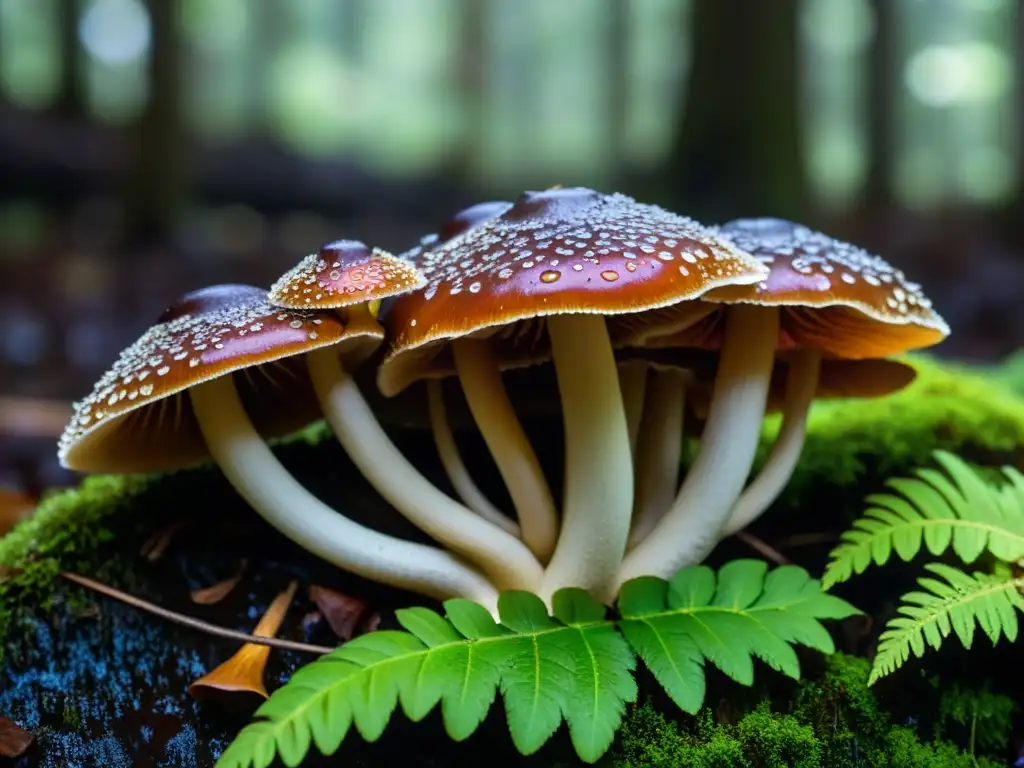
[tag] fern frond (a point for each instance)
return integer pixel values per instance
(747, 612)
(956, 602)
(939, 509)
(574, 665)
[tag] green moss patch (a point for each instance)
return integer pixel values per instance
(831, 720)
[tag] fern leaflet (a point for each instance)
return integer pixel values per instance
(575, 665)
(956, 602)
(956, 508)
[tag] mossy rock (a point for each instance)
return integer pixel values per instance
(98, 681)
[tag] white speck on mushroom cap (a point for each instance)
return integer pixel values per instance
(563, 251)
(811, 269)
(208, 333)
(344, 273)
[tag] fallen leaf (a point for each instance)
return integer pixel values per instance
(14, 740)
(14, 505)
(217, 592)
(371, 623)
(342, 611)
(243, 672)
(155, 546)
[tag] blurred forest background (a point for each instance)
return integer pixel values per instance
(149, 147)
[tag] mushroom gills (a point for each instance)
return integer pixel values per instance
(503, 557)
(801, 384)
(455, 468)
(692, 526)
(598, 496)
(480, 376)
(253, 470)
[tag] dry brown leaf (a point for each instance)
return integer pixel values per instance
(217, 592)
(155, 546)
(342, 611)
(14, 505)
(243, 672)
(14, 740)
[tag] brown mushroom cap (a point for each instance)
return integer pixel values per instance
(137, 420)
(835, 297)
(344, 273)
(561, 251)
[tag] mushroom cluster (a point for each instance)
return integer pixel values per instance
(644, 316)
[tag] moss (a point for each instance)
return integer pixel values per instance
(834, 720)
(979, 717)
(948, 406)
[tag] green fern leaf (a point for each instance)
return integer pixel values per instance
(937, 510)
(575, 665)
(955, 602)
(745, 613)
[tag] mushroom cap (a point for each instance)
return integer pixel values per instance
(560, 251)
(837, 297)
(344, 273)
(137, 419)
(838, 378)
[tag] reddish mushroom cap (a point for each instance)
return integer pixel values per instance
(837, 297)
(344, 273)
(136, 420)
(554, 252)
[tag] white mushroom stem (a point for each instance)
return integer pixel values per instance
(633, 383)
(251, 467)
(692, 526)
(480, 376)
(801, 386)
(659, 452)
(455, 467)
(504, 558)
(598, 467)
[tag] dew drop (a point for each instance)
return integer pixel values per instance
(630, 266)
(549, 276)
(610, 275)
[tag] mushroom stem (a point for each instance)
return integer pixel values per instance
(454, 466)
(598, 466)
(633, 383)
(503, 557)
(659, 452)
(251, 467)
(801, 385)
(480, 377)
(691, 527)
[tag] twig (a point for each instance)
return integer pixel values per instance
(806, 539)
(763, 547)
(188, 621)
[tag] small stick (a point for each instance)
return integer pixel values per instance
(763, 547)
(188, 621)
(806, 539)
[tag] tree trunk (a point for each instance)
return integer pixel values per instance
(155, 190)
(70, 101)
(738, 148)
(883, 74)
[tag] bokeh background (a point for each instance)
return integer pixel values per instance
(150, 147)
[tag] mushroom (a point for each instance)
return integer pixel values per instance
(243, 672)
(559, 261)
(239, 360)
(344, 277)
(657, 464)
(822, 298)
